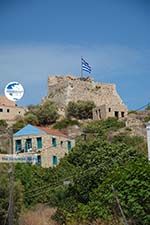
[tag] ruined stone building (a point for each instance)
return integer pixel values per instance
(9, 110)
(63, 89)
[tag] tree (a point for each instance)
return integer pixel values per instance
(47, 113)
(80, 109)
(91, 168)
(19, 125)
(4, 196)
(131, 183)
(33, 109)
(38, 115)
(31, 118)
(94, 161)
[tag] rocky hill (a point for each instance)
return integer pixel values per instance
(136, 122)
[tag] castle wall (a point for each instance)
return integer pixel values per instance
(62, 89)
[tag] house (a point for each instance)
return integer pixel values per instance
(106, 111)
(47, 145)
(9, 110)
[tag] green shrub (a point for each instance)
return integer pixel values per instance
(110, 124)
(94, 161)
(3, 123)
(44, 114)
(131, 185)
(31, 118)
(19, 125)
(128, 129)
(135, 141)
(47, 113)
(80, 109)
(147, 119)
(65, 123)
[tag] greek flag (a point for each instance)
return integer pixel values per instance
(85, 66)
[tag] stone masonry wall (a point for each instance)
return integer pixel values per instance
(9, 110)
(62, 89)
(10, 113)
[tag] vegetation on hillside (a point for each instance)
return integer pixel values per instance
(3, 124)
(95, 172)
(4, 196)
(80, 109)
(64, 123)
(45, 114)
(103, 168)
(4, 137)
(147, 119)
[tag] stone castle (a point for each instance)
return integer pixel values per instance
(63, 89)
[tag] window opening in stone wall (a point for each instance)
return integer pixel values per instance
(109, 109)
(39, 159)
(99, 114)
(61, 143)
(1, 110)
(8, 110)
(116, 114)
(122, 114)
(54, 143)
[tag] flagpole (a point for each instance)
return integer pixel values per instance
(81, 68)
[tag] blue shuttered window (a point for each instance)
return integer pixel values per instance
(39, 142)
(28, 144)
(54, 142)
(18, 145)
(54, 160)
(69, 145)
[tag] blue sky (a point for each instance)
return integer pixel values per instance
(42, 37)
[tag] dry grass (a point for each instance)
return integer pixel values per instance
(41, 215)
